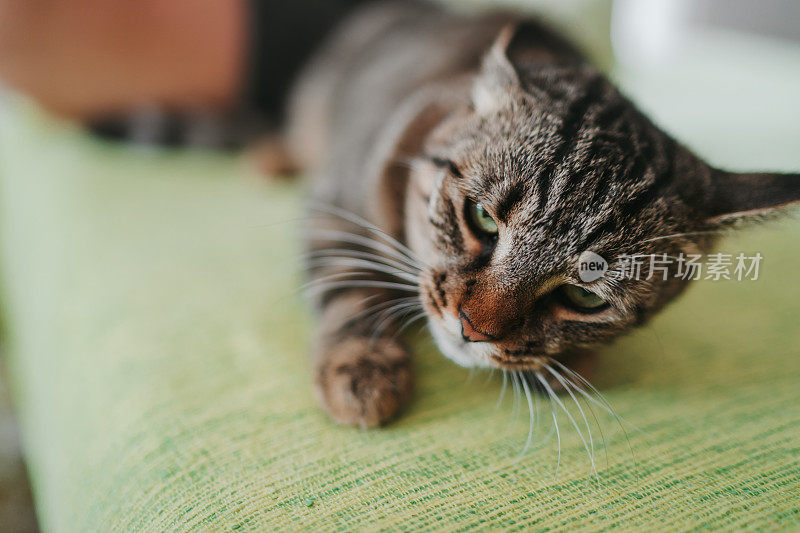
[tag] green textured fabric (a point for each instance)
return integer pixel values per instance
(158, 356)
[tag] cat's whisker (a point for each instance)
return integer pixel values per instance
(516, 391)
(366, 299)
(353, 275)
(333, 233)
(376, 307)
(389, 263)
(718, 231)
(574, 423)
(470, 375)
(535, 389)
(410, 321)
(376, 331)
(358, 254)
(344, 214)
(341, 262)
(396, 309)
(604, 405)
(359, 221)
(407, 321)
(683, 234)
(502, 395)
(551, 395)
(600, 401)
(531, 418)
(393, 313)
(363, 264)
(369, 252)
(628, 246)
(489, 377)
(357, 284)
(568, 383)
(583, 415)
(564, 384)
(516, 406)
(402, 262)
(361, 240)
(534, 393)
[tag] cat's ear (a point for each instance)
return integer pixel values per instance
(497, 77)
(736, 198)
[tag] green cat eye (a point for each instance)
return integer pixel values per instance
(480, 220)
(581, 299)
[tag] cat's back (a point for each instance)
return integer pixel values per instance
(371, 63)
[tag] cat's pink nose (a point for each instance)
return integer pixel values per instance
(469, 332)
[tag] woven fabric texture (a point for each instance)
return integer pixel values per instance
(158, 350)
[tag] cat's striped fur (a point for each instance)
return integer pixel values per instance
(410, 115)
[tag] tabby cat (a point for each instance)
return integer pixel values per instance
(458, 168)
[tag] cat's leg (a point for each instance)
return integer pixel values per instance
(361, 378)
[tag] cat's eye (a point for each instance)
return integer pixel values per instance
(581, 299)
(480, 220)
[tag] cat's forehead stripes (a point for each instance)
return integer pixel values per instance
(509, 199)
(571, 125)
(585, 172)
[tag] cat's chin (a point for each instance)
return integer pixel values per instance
(447, 334)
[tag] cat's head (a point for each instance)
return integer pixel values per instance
(543, 162)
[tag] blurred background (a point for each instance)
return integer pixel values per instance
(213, 75)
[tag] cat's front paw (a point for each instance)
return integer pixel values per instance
(364, 383)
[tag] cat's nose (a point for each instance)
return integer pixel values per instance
(469, 332)
(488, 317)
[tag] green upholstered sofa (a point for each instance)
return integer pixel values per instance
(157, 350)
